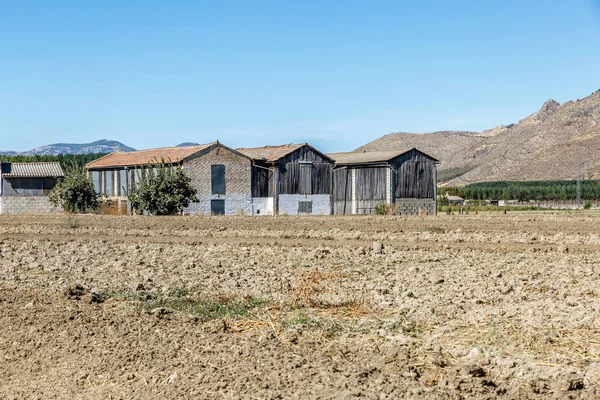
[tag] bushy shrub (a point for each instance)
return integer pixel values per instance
(587, 205)
(165, 190)
(386, 209)
(75, 193)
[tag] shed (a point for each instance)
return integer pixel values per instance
(293, 179)
(24, 187)
(456, 200)
(220, 175)
(404, 178)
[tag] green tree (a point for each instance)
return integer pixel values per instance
(165, 190)
(75, 193)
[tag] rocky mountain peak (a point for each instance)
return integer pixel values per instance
(548, 109)
(550, 106)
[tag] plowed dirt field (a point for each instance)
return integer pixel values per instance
(451, 307)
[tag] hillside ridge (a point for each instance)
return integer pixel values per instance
(556, 142)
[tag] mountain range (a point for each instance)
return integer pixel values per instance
(100, 146)
(557, 142)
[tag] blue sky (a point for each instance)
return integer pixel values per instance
(336, 74)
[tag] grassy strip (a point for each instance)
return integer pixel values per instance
(182, 302)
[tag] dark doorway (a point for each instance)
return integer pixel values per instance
(217, 207)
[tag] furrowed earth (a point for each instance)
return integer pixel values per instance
(474, 306)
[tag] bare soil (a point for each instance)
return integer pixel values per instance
(477, 306)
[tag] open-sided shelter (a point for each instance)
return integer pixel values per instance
(24, 187)
(404, 179)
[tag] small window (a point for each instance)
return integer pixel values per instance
(96, 181)
(305, 207)
(217, 179)
(123, 183)
(109, 188)
(217, 207)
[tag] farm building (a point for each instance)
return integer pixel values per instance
(456, 200)
(404, 179)
(24, 187)
(291, 179)
(220, 175)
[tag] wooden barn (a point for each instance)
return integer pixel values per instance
(220, 175)
(24, 187)
(404, 179)
(291, 179)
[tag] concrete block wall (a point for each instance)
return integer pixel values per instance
(288, 203)
(416, 207)
(26, 204)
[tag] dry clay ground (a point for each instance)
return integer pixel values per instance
(477, 306)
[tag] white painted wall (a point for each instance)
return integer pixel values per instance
(234, 204)
(262, 205)
(288, 203)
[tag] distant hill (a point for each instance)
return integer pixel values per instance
(556, 142)
(100, 146)
(188, 144)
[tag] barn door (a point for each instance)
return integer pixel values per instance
(305, 179)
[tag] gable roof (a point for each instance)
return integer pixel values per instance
(275, 153)
(453, 198)
(270, 153)
(369, 157)
(32, 170)
(145, 157)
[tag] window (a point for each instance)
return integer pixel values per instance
(217, 207)
(305, 207)
(108, 183)
(96, 181)
(123, 183)
(217, 179)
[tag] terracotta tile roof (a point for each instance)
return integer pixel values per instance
(145, 157)
(270, 153)
(32, 170)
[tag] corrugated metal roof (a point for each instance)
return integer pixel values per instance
(365, 157)
(145, 157)
(32, 170)
(270, 153)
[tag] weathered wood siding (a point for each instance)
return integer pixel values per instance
(371, 183)
(305, 171)
(411, 176)
(342, 191)
(370, 188)
(414, 176)
(305, 178)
